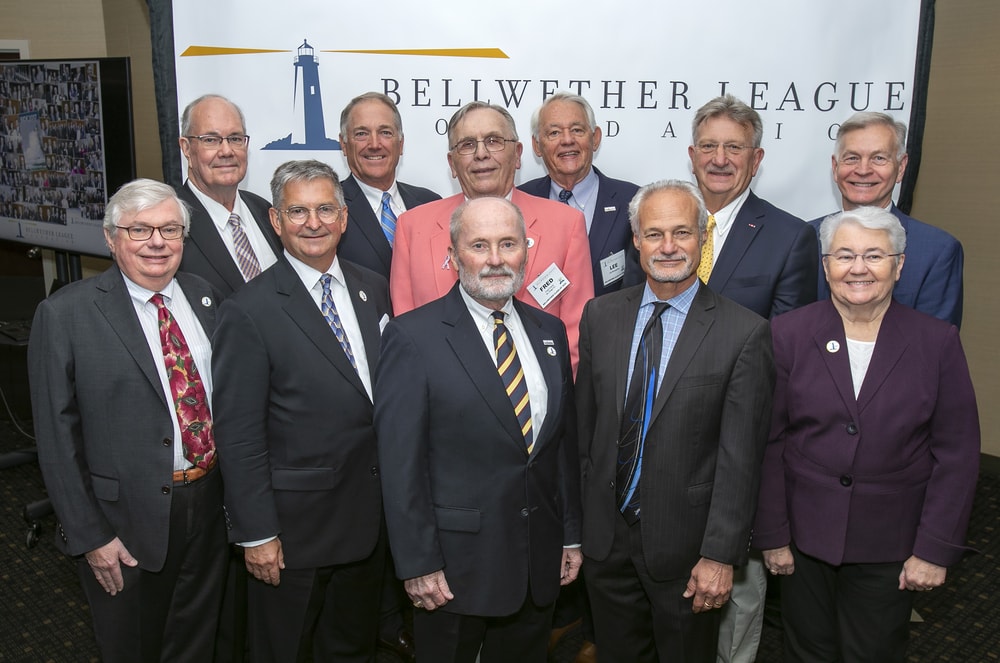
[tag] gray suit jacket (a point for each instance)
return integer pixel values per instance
(103, 425)
(702, 457)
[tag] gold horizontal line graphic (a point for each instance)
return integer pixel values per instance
(191, 51)
(438, 52)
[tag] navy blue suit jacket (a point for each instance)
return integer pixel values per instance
(457, 480)
(931, 281)
(768, 263)
(364, 243)
(610, 231)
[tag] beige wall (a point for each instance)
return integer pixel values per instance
(958, 187)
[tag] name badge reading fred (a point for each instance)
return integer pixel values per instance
(548, 285)
(613, 267)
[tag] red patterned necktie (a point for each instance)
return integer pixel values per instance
(190, 399)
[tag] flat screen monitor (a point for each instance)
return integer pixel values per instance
(66, 145)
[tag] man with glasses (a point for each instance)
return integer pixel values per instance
(760, 257)
(121, 391)
(294, 428)
(371, 138)
(869, 161)
(484, 154)
(231, 240)
(565, 135)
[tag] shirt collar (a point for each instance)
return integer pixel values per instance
(142, 295)
(310, 277)
(481, 315)
(582, 190)
(374, 196)
(681, 302)
(725, 216)
(218, 213)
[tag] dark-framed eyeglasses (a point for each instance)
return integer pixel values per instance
(143, 233)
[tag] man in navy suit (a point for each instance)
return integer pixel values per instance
(371, 138)
(231, 238)
(565, 135)
(295, 435)
(481, 496)
(869, 161)
(760, 257)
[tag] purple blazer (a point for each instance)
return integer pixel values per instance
(880, 477)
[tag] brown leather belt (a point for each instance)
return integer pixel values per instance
(192, 474)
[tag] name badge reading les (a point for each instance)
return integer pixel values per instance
(548, 285)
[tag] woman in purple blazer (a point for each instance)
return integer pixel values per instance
(873, 457)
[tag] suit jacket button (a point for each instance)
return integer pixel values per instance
(167, 442)
(846, 480)
(524, 512)
(611, 485)
(852, 429)
(165, 490)
(374, 470)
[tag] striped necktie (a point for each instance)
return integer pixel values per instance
(565, 195)
(245, 256)
(333, 319)
(707, 251)
(388, 220)
(509, 367)
(189, 396)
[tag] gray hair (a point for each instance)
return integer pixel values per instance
(869, 119)
(139, 195)
(455, 226)
(345, 115)
(476, 105)
(871, 218)
(305, 170)
(563, 96)
(732, 108)
(681, 186)
(186, 115)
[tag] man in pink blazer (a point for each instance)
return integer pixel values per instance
(484, 154)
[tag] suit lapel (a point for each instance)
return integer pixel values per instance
(201, 300)
(466, 343)
(301, 308)
(206, 237)
(745, 227)
(550, 365)
(698, 322)
(518, 197)
(603, 221)
(115, 304)
(890, 345)
(831, 343)
(624, 328)
(366, 312)
(365, 221)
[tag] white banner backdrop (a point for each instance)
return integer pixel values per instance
(644, 67)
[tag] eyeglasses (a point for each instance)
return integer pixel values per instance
(732, 149)
(299, 215)
(142, 233)
(491, 143)
(872, 259)
(212, 142)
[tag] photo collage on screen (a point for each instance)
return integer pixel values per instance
(51, 144)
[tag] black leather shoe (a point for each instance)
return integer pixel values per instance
(401, 646)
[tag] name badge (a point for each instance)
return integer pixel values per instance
(548, 285)
(613, 267)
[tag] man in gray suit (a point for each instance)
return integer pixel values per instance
(671, 462)
(136, 492)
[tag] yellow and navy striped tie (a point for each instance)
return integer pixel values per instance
(509, 367)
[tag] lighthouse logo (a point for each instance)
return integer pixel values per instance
(309, 132)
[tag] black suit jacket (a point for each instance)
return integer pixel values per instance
(461, 492)
(610, 231)
(102, 422)
(701, 464)
(364, 242)
(205, 253)
(293, 423)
